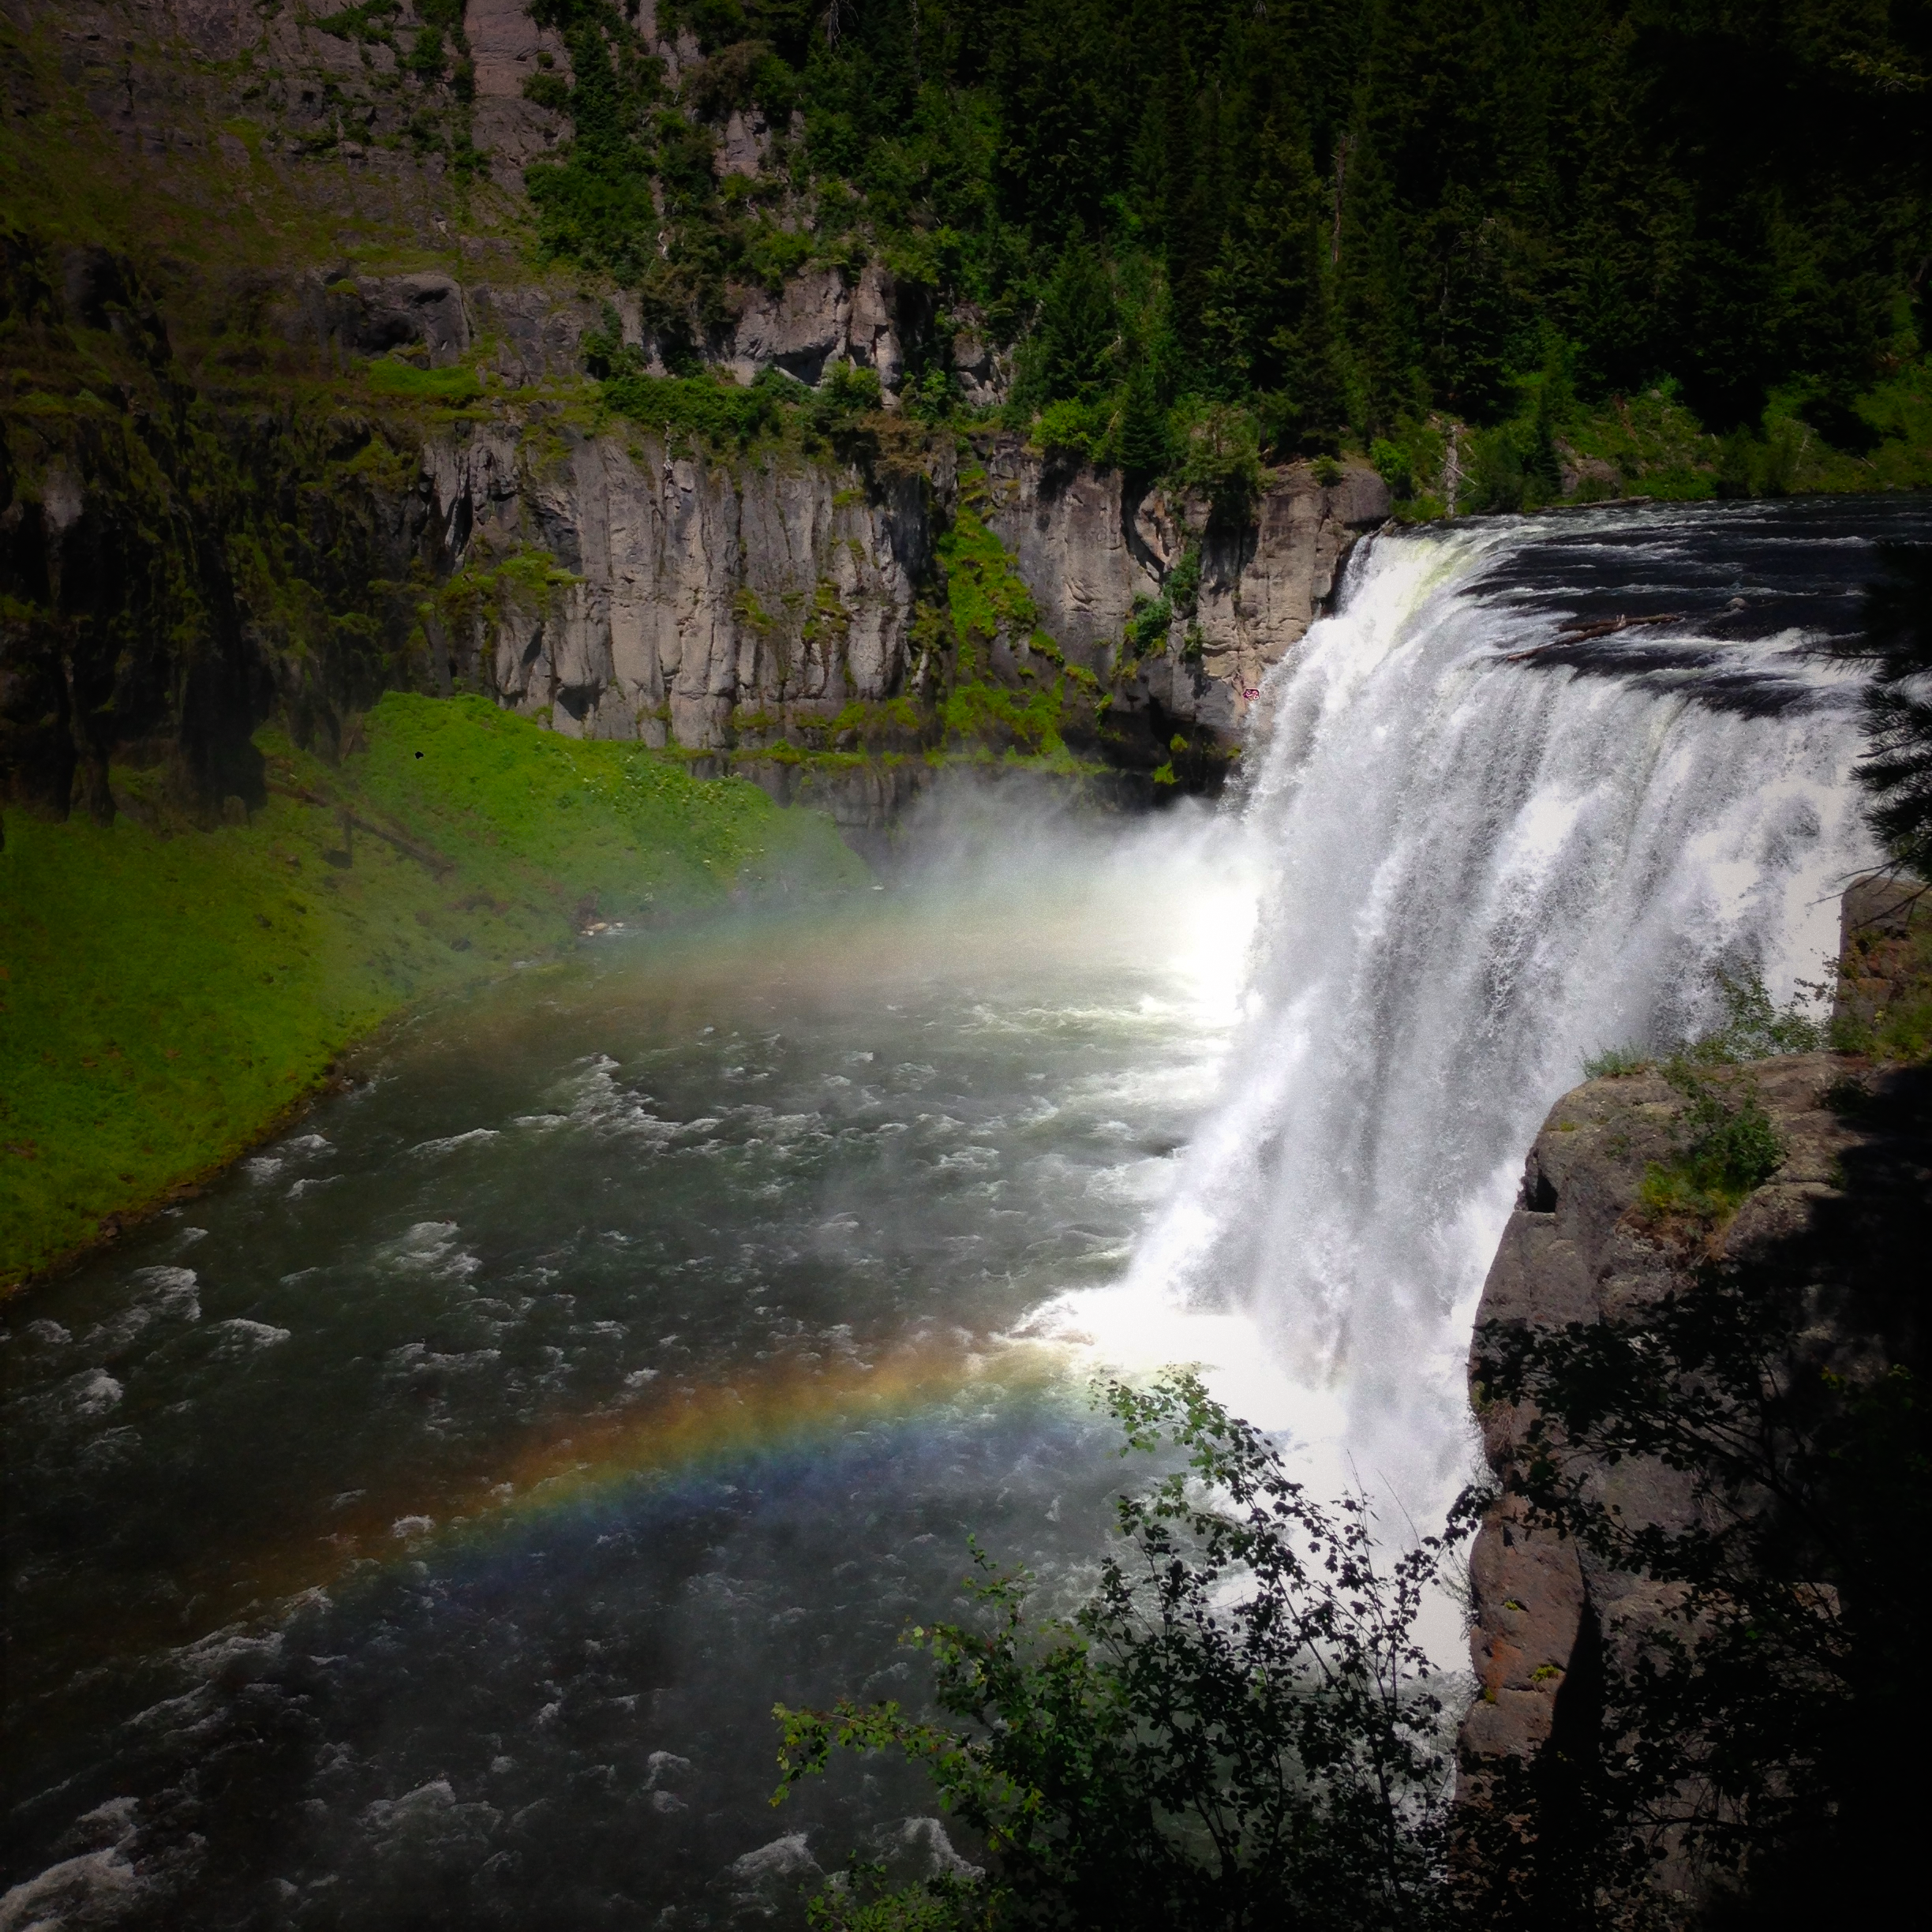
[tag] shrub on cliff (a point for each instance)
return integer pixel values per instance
(1731, 1150)
(1236, 1729)
(1223, 463)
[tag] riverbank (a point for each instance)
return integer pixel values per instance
(169, 992)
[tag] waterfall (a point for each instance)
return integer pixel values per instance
(1486, 852)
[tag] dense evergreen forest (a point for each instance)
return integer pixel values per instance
(1307, 222)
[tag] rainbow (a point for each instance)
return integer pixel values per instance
(794, 1410)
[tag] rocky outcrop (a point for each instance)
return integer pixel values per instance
(371, 315)
(1834, 1240)
(615, 583)
(230, 489)
(265, 90)
(1579, 1248)
(821, 319)
(700, 591)
(1089, 553)
(1261, 586)
(509, 49)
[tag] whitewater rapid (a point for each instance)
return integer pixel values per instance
(1482, 853)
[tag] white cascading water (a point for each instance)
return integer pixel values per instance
(1476, 873)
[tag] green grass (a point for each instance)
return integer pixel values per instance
(454, 387)
(719, 413)
(1733, 1152)
(166, 995)
(1617, 1063)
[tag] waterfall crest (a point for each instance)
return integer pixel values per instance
(1484, 859)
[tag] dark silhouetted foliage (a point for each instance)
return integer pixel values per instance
(1897, 642)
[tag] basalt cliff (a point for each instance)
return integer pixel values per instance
(294, 415)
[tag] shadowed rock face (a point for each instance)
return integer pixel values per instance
(693, 589)
(681, 593)
(1088, 552)
(373, 314)
(1839, 1231)
(1577, 1250)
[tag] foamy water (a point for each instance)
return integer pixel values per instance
(1484, 851)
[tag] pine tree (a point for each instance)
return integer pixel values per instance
(1077, 338)
(1896, 641)
(1142, 445)
(1189, 245)
(1265, 326)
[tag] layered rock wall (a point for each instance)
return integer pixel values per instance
(1089, 552)
(229, 490)
(707, 588)
(615, 583)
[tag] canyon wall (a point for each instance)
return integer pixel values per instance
(597, 574)
(705, 590)
(684, 591)
(296, 415)
(1087, 550)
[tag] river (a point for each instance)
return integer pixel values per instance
(417, 1527)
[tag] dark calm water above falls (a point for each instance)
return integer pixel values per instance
(417, 1528)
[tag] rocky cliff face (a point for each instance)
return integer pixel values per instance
(219, 78)
(1089, 552)
(706, 590)
(312, 426)
(614, 583)
(1837, 1235)
(679, 593)
(1579, 1249)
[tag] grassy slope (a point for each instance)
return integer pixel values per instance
(165, 995)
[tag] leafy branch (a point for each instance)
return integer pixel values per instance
(1237, 1727)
